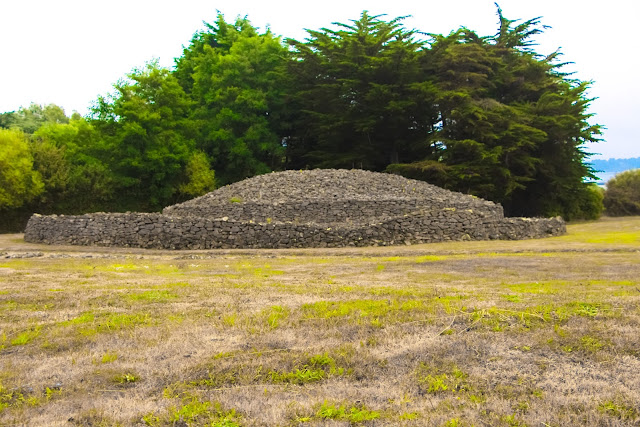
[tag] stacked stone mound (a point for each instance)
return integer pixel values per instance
(328, 196)
(318, 208)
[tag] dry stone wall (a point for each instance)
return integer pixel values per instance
(167, 232)
(319, 216)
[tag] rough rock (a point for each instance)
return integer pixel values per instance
(318, 208)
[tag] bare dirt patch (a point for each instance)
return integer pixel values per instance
(540, 332)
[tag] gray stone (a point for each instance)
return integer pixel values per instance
(319, 208)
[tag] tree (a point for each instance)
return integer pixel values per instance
(200, 178)
(236, 77)
(69, 158)
(19, 183)
(361, 95)
(558, 106)
(149, 136)
(622, 196)
(510, 125)
(484, 142)
(30, 119)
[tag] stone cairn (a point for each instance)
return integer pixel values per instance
(299, 209)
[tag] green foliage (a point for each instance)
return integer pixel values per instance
(15, 398)
(26, 336)
(72, 159)
(317, 368)
(126, 378)
(195, 412)
(622, 196)
(19, 183)
(158, 296)
(109, 357)
(487, 116)
(481, 115)
(200, 177)
(353, 414)
(236, 79)
(591, 203)
(619, 409)
(148, 135)
(435, 380)
(88, 324)
(29, 120)
(363, 101)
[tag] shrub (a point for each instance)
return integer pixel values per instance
(622, 196)
(591, 205)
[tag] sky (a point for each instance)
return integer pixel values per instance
(68, 52)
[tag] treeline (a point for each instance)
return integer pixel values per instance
(484, 115)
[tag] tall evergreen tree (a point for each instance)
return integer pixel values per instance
(511, 126)
(363, 101)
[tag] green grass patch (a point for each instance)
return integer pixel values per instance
(156, 296)
(15, 398)
(156, 269)
(228, 369)
(126, 378)
(435, 380)
(512, 298)
(89, 323)
(264, 271)
(316, 369)
(275, 314)
(192, 411)
(358, 308)
(615, 237)
(351, 413)
(587, 309)
(428, 258)
(591, 344)
(619, 409)
(26, 337)
(109, 357)
(535, 287)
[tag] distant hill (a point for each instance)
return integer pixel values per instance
(616, 165)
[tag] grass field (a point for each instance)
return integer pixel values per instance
(537, 333)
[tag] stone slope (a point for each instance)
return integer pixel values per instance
(326, 196)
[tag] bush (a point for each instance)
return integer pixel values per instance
(622, 196)
(591, 205)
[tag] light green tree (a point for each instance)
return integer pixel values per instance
(200, 177)
(72, 160)
(19, 183)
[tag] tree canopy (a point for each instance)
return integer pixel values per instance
(622, 196)
(236, 79)
(481, 114)
(19, 183)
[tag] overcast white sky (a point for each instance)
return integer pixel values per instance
(68, 52)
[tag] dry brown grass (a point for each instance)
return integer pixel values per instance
(535, 333)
